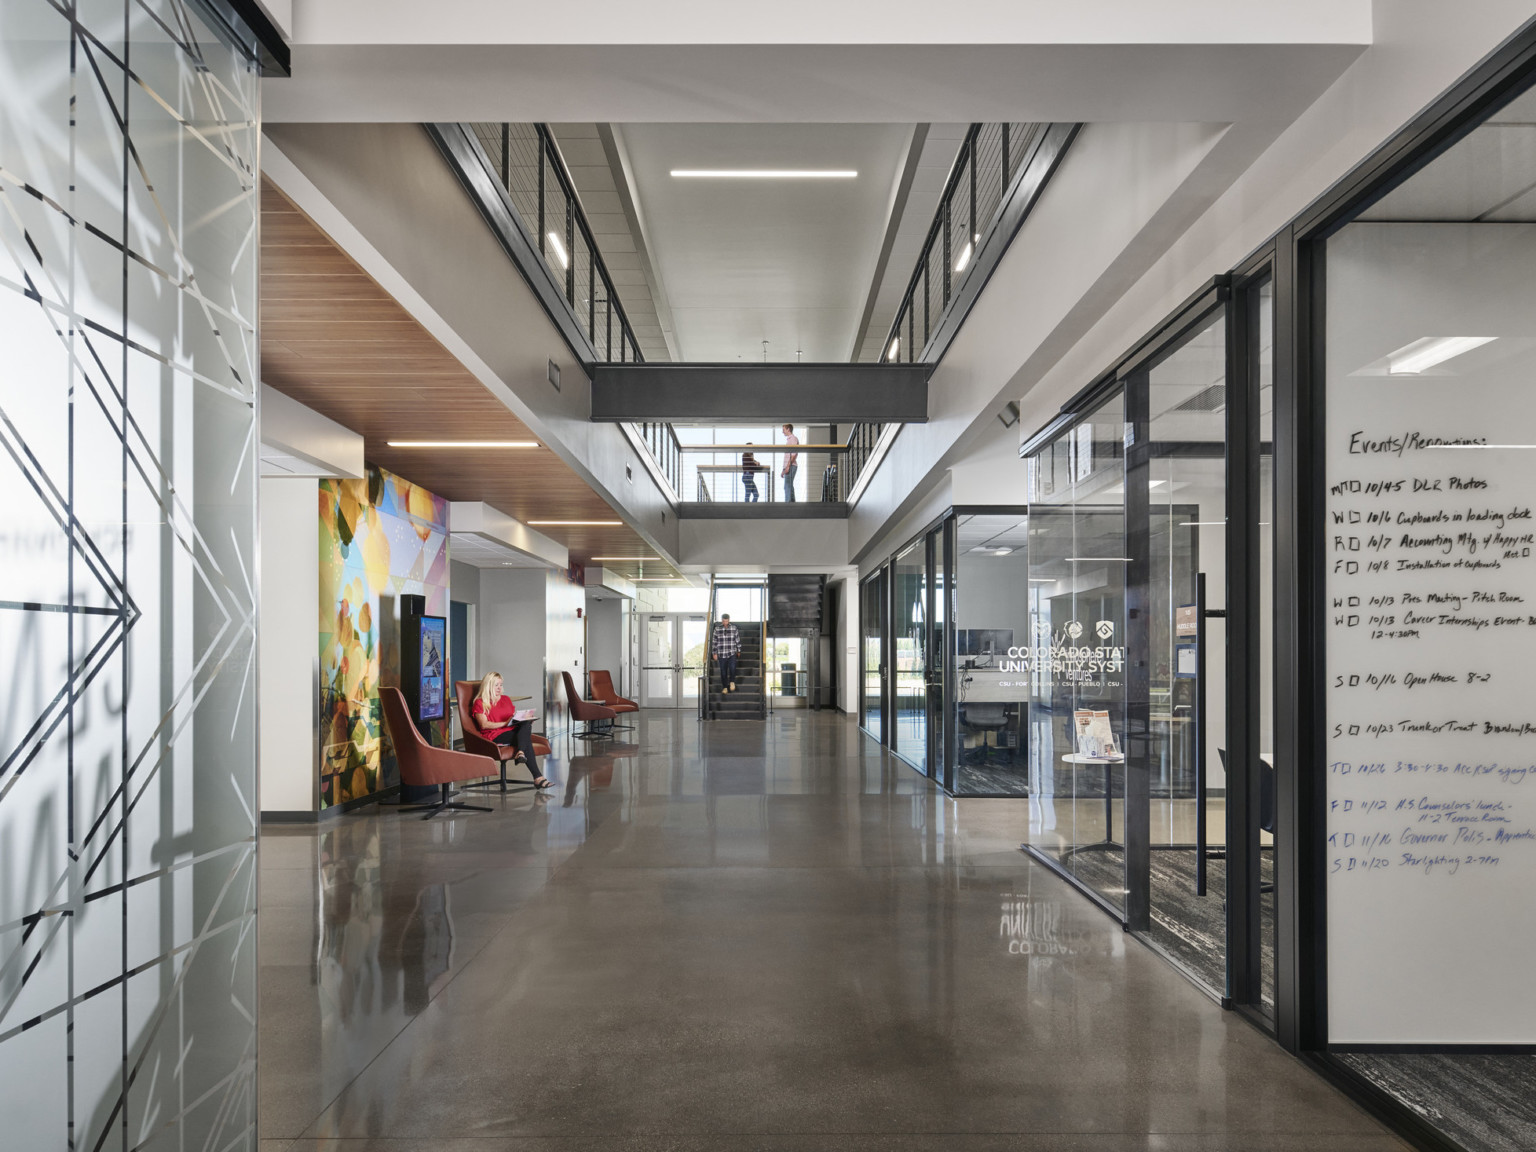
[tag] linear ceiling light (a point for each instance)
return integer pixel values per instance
(565, 261)
(462, 443)
(575, 523)
(890, 353)
(628, 559)
(1424, 354)
(965, 257)
(764, 174)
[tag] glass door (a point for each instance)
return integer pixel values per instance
(672, 660)
(1177, 499)
(911, 629)
(872, 655)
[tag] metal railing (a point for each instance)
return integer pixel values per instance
(531, 169)
(990, 159)
(722, 478)
(661, 442)
(862, 439)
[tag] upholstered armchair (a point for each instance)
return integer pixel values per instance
(423, 764)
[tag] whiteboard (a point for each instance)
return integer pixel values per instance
(1431, 634)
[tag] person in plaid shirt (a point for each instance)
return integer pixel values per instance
(724, 646)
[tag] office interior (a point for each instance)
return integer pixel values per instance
(1197, 604)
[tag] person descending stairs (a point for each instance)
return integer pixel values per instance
(736, 672)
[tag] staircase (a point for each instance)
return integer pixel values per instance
(795, 605)
(748, 702)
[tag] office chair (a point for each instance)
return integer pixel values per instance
(984, 717)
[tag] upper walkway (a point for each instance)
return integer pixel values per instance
(730, 937)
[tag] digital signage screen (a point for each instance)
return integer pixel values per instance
(434, 662)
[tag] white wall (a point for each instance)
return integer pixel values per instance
(846, 639)
(289, 640)
(511, 629)
(605, 637)
(764, 545)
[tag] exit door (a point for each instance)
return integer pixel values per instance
(672, 659)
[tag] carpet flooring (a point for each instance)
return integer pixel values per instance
(1192, 929)
(1486, 1103)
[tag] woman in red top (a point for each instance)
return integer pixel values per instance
(495, 717)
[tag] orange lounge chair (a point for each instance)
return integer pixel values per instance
(604, 693)
(423, 764)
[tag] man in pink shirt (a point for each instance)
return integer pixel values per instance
(789, 469)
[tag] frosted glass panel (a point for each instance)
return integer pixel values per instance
(127, 420)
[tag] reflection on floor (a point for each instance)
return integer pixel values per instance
(1190, 928)
(1486, 1103)
(729, 937)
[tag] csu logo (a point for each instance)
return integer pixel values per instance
(1105, 629)
(1074, 629)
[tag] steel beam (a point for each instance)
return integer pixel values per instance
(761, 393)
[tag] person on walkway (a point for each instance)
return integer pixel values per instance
(790, 465)
(725, 646)
(496, 718)
(749, 469)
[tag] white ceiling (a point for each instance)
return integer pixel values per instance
(742, 261)
(481, 551)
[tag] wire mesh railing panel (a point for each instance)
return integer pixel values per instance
(989, 161)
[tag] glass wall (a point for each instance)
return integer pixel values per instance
(872, 653)
(1261, 322)
(991, 641)
(1185, 483)
(128, 303)
(1077, 571)
(910, 631)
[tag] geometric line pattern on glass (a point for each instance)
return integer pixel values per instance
(128, 424)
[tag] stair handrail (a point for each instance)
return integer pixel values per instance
(709, 650)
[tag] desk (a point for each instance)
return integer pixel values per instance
(989, 686)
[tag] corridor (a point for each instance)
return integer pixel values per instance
(737, 936)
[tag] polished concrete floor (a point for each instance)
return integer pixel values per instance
(737, 936)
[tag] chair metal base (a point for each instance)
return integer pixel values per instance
(589, 733)
(444, 802)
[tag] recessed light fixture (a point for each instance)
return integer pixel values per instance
(890, 353)
(1002, 551)
(764, 174)
(575, 523)
(1424, 354)
(462, 443)
(965, 257)
(565, 261)
(629, 559)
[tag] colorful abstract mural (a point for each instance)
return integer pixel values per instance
(381, 538)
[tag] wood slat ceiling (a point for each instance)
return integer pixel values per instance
(333, 339)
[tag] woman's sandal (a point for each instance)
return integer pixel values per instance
(543, 782)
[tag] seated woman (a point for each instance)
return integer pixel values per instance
(495, 717)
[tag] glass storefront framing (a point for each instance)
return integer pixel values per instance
(1276, 541)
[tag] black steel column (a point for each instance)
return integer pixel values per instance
(1244, 675)
(1139, 744)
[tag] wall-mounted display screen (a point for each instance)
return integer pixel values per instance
(434, 651)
